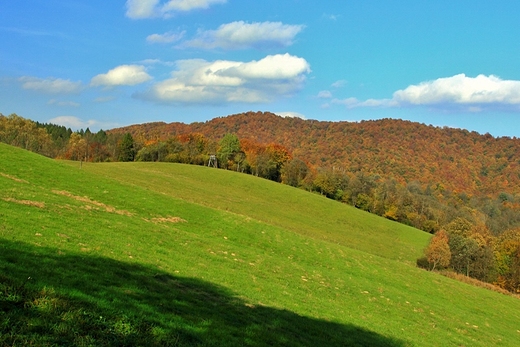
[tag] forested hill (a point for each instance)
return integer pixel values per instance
(452, 159)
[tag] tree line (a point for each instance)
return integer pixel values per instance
(55, 141)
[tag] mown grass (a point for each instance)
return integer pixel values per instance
(141, 254)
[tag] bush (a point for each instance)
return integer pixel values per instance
(423, 263)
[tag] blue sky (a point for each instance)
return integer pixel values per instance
(105, 64)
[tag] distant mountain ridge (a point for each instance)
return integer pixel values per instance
(457, 159)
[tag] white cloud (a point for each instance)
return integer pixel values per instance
(63, 103)
(69, 122)
(221, 81)
(76, 123)
(123, 75)
(50, 85)
(291, 115)
(139, 9)
(241, 35)
(168, 37)
(461, 89)
(188, 5)
(156, 62)
(277, 67)
(472, 94)
(324, 94)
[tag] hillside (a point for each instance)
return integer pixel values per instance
(415, 174)
(170, 254)
(460, 160)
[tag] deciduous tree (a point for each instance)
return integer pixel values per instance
(438, 251)
(294, 172)
(229, 147)
(464, 251)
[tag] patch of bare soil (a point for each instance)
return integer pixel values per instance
(91, 202)
(13, 178)
(168, 220)
(38, 204)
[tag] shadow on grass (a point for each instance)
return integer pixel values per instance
(83, 300)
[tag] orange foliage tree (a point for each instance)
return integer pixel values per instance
(438, 251)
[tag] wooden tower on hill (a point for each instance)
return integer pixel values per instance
(212, 161)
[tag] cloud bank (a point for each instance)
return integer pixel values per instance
(141, 9)
(459, 91)
(223, 81)
(242, 35)
(123, 75)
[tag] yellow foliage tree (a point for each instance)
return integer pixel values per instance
(438, 251)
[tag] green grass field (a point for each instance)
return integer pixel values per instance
(128, 254)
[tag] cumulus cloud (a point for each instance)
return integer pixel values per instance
(50, 85)
(168, 37)
(76, 123)
(473, 94)
(139, 9)
(461, 89)
(241, 35)
(221, 81)
(123, 75)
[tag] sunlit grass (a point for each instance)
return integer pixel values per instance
(279, 205)
(158, 254)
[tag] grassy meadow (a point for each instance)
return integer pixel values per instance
(157, 254)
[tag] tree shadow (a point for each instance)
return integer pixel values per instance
(72, 299)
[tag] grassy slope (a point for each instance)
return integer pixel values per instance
(255, 263)
(271, 203)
